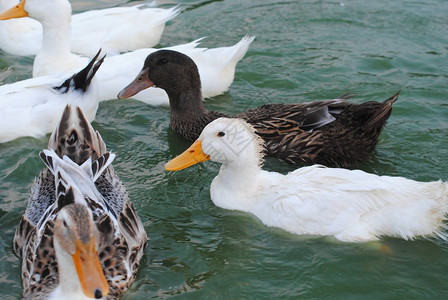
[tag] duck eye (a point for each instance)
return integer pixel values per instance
(221, 134)
(64, 223)
(163, 61)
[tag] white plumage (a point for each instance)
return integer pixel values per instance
(140, 26)
(351, 205)
(33, 107)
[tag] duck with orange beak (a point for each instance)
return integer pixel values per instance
(141, 26)
(350, 205)
(80, 237)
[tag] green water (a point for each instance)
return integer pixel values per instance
(304, 50)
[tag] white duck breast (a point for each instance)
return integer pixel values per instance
(32, 107)
(140, 26)
(55, 56)
(353, 206)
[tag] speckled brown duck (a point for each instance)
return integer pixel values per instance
(80, 237)
(330, 132)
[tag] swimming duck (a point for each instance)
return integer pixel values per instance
(140, 26)
(55, 56)
(351, 205)
(80, 237)
(334, 132)
(32, 107)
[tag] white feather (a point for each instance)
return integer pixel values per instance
(32, 107)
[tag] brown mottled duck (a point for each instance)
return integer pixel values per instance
(80, 237)
(331, 132)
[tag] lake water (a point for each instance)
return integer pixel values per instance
(303, 51)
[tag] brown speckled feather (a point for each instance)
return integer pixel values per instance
(347, 140)
(39, 266)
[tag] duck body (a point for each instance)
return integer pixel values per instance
(32, 107)
(141, 26)
(351, 205)
(331, 132)
(56, 58)
(78, 183)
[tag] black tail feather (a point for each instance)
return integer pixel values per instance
(381, 116)
(82, 79)
(392, 98)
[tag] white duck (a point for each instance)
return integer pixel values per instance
(140, 26)
(55, 56)
(32, 107)
(352, 206)
(80, 237)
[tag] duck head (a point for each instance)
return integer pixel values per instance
(225, 140)
(40, 10)
(75, 247)
(170, 70)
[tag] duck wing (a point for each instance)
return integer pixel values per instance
(273, 120)
(120, 248)
(39, 267)
(348, 140)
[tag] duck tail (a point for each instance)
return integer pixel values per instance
(160, 15)
(392, 99)
(190, 48)
(383, 114)
(233, 54)
(76, 138)
(170, 13)
(73, 182)
(82, 79)
(440, 212)
(217, 66)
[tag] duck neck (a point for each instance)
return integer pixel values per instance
(56, 32)
(235, 185)
(187, 103)
(188, 114)
(69, 283)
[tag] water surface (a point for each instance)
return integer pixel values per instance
(304, 50)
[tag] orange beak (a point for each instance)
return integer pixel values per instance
(90, 273)
(17, 11)
(189, 157)
(140, 83)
